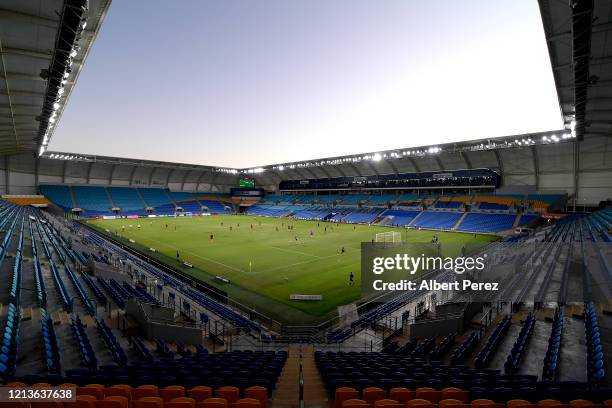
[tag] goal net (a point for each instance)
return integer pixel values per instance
(391, 236)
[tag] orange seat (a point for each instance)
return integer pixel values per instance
(121, 390)
(16, 384)
(608, 403)
(148, 402)
(200, 393)
(68, 385)
(172, 391)
(455, 393)
(548, 402)
(145, 391)
(515, 403)
(114, 401)
(429, 394)
(14, 405)
(481, 402)
(82, 401)
(449, 402)
(247, 403)
(388, 403)
(41, 385)
(258, 393)
(343, 394)
(228, 392)
(181, 402)
(47, 405)
(213, 403)
(421, 403)
(401, 394)
(354, 403)
(373, 394)
(580, 403)
(91, 389)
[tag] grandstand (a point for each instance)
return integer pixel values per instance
(132, 283)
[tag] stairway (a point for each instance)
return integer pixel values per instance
(517, 220)
(315, 393)
(287, 393)
(142, 198)
(170, 199)
(415, 219)
(74, 201)
(110, 198)
(459, 221)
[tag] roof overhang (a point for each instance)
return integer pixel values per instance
(43, 46)
(579, 43)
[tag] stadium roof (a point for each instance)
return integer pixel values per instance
(43, 45)
(579, 37)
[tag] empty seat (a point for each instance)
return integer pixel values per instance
(354, 403)
(172, 391)
(213, 403)
(115, 401)
(343, 394)
(145, 391)
(401, 394)
(388, 403)
(247, 403)
(421, 403)
(429, 394)
(180, 402)
(148, 402)
(200, 393)
(372, 394)
(258, 393)
(228, 392)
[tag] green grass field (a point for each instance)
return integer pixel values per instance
(265, 262)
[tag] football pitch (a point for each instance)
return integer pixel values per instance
(268, 259)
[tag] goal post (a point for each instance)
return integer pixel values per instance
(389, 236)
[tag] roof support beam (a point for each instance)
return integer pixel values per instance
(536, 166)
(169, 175)
(40, 54)
(393, 167)
(500, 163)
(64, 171)
(7, 171)
(213, 177)
(89, 169)
(200, 177)
(357, 171)
(440, 164)
(132, 175)
(151, 175)
(184, 179)
(466, 159)
(414, 164)
(110, 175)
(576, 167)
(28, 18)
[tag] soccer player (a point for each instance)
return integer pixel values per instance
(342, 250)
(351, 279)
(178, 256)
(212, 237)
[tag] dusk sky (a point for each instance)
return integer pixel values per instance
(242, 83)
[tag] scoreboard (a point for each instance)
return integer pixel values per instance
(246, 183)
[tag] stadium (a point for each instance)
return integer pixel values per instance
(136, 282)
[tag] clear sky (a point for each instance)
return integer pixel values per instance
(242, 83)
